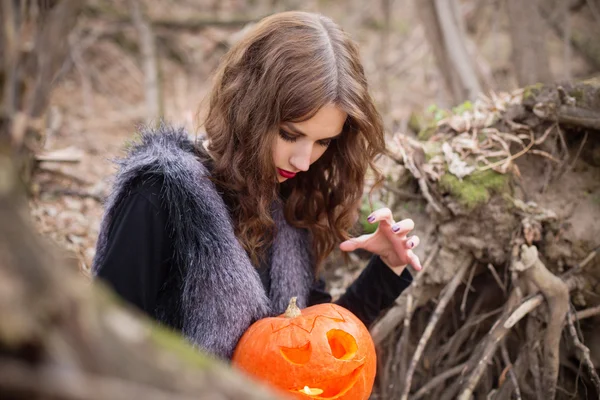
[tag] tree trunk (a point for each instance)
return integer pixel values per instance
(529, 54)
(443, 28)
(33, 46)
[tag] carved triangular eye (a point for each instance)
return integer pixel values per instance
(297, 355)
(343, 345)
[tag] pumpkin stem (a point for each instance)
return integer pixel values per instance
(292, 310)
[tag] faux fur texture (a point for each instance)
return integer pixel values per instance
(217, 294)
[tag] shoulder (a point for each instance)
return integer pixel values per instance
(164, 150)
(166, 161)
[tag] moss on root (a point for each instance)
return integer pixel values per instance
(475, 189)
(532, 90)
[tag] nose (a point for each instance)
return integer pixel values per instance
(301, 158)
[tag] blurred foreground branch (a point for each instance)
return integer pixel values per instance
(61, 337)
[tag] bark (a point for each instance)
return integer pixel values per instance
(28, 74)
(154, 107)
(445, 37)
(454, 41)
(581, 37)
(530, 57)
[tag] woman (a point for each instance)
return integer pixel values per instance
(208, 237)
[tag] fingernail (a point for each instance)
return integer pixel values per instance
(395, 228)
(371, 218)
(411, 244)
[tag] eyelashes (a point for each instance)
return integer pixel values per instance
(289, 138)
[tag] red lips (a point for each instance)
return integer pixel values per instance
(286, 174)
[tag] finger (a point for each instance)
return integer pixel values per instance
(414, 261)
(412, 242)
(355, 243)
(381, 215)
(403, 227)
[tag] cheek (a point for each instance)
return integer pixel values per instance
(280, 149)
(317, 152)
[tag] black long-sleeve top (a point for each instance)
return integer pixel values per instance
(140, 251)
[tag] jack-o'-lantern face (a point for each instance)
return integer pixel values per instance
(323, 353)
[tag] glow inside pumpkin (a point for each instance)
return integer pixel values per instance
(322, 352)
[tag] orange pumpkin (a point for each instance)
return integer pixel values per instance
(321, 352)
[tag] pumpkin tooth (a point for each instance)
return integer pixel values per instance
(311, 391)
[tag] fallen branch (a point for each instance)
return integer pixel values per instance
(67, 155)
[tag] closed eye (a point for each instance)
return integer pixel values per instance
(325, 142)
(288, 137)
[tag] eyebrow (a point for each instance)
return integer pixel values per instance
(300, 133)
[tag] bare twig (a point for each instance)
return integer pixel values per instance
(497, 278)
(441, 306)
(463, 303)
(401, 353)
(585, 352)
(397, 314)
(67, 155)
(585, 136)
(587, 313)
(438, 380)
(511, 372)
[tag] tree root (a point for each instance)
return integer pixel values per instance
(441, 306)
(585, 352)
(551, 286)
(556, 293)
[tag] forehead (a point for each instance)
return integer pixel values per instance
(327, 122)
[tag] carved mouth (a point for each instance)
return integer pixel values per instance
(331, 388)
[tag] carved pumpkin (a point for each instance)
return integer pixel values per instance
(321, 352)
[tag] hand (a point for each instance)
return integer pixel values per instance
(389, 241)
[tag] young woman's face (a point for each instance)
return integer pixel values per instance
(300, 144)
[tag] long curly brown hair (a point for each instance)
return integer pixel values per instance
(285, 69)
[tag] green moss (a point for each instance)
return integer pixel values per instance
(427, 132)
(532, 90)
(432, 149)
(578, 95)
(475, 189)
(415, 121)
(462, 108)
(438, 113)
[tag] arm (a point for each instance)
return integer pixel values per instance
(139, 248)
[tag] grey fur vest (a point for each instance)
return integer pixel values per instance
(215, 291)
